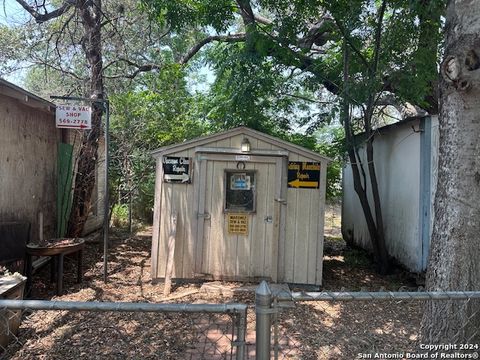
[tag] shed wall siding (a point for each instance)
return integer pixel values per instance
(238, 256)
(28, 164)
(397, 162)
(303, 241)
(176, 198)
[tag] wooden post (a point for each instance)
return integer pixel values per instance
(170, 254)
(40, 225)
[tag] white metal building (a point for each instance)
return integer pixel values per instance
(248, 206)
(405, 155)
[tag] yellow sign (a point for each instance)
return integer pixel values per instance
(237, 224)
(303, 184)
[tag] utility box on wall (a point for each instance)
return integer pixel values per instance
(247, 206)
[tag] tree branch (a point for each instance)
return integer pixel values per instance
(240, 37)
(374, 68)
(378, 37)
(262, 20)
(246, 12)
(64, 26)
(318, 34)
(140, 69)
(41, 18)
(59, 69)
(347, 38)
(305, 98)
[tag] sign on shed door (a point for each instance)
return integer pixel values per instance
(238, 219)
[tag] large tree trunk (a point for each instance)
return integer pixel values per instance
(455, 246)
(91, 16)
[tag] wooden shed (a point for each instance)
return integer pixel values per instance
(239, 205)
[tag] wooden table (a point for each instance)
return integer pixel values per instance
(57, 253)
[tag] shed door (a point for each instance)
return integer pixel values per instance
(239, 216)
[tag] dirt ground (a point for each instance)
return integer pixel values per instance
(309, 330)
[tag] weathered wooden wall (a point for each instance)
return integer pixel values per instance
(305, 223)
(299, 251)
(180, 198)
(28, 161)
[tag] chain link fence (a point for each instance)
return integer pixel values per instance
(100, 330)
(285, 325)
(369, 325)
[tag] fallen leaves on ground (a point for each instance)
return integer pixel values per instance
(309, 330)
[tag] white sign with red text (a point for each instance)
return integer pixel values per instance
(73, 117)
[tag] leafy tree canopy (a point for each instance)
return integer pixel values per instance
(307, 35)
(142, 120)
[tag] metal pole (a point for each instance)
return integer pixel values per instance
(263, 313)
(105, 195)
(241, 330)
(106, 104)
(75, 98)
(130, 229)
(121, 306)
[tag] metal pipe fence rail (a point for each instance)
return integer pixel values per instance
(280, 325)
(103, 330)
(362, 325)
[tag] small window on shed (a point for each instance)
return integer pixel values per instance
(240, 191)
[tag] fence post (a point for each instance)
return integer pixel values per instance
(241, 330)
(263, 313)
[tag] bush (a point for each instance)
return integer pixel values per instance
(120, 215)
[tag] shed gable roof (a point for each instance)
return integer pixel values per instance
(242, 130)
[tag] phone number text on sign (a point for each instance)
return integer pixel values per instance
(73, 117)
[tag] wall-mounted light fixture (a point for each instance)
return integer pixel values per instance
(245, 146)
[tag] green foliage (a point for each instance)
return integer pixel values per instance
(184, 13)
(46, 81)
(274, 100)
(250, 75)
(12, 50)
(120, 215)
(144, 120)
(236, 98)
(273, 82)
(149, 109)
(330, 142)
(407, 62)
